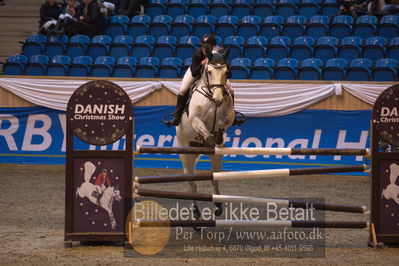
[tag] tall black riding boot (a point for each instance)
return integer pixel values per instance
(181, 103)
(240, 121)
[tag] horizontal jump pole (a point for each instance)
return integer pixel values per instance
(247, 174)
(250, 151)
(254, 223)
(254, 200)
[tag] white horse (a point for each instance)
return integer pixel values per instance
(107, 199)
(210, 112)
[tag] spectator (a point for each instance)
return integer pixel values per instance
(353, 8)
(391, 7)
(49, 13)
(91, 23)
(106, 7)
(71, 13)
(131, 8)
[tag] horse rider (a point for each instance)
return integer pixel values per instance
(102, 178)
(192, 74)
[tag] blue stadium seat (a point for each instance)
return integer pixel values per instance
(310, 69)
(182, 26)
(186, 65)
(103, 66)
(176, 8)
(365, 26)
(240, 68)
(326, 48)
(360, 69)
(81, 66)
(335, 69)
(286, 8)
(385, 70)
(34, 45)
(272, 26)
(170, 67)
(374, 48)
(249, 26)
(143, 46)
(117, 25)
(302, 48)
(235, 44)
(155, 8)
(59, 65)
(15, 65)
(78, 45)
(341, 26)
(125, 67)
(309, 8)
(241, 8)
(147, 67)
(318, 27)
(226, 26)
(121, 46)
(263, 69)
(220, 8)
(160, 26)
(255, 47)
(37, 65)
(165, 47)
(187, 46)
(219, 40)
(263, 8)
(351, 48)
(389, 26)
(287, 69)
(139, 25)
(295, 26)
(198, 8)
(56, 45)
(393, 48)
(99, 46)
(279, 48)
(204, 25)
(329, 8)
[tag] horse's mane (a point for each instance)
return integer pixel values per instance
(218, 56)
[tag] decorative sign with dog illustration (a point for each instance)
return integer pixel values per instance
(98, 182)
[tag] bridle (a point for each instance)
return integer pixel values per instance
(207, 90)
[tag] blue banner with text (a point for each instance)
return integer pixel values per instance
(36, 135)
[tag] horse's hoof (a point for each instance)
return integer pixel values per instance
(218, 209)
(196, 212)
(210, 140)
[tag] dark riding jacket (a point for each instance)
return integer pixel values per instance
(196, 65)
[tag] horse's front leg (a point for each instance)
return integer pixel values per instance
(200, 127)
(188, 161)
(111, 216)
(217, 167)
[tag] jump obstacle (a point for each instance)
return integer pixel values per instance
(255, 200)
(247, 175)
(250, 151)
(253, 223)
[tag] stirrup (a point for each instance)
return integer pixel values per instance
(173, 121)
(239, 119)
